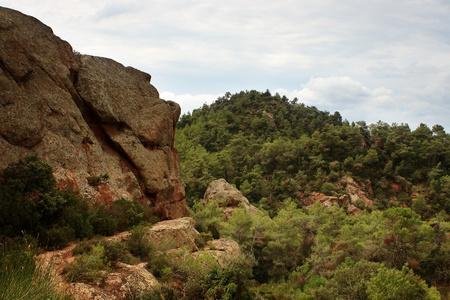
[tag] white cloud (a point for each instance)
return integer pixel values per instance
(189, 102)
(356, 102)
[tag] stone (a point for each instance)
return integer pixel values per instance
(180, 231)
(229, 197)
(86, 116)
(355, 192)
(222, 250)
(124, 282)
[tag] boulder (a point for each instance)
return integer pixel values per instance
(124, 282)
(180, 231)
(84, 291)
(229, 197)
(86, 116)
(222, 250)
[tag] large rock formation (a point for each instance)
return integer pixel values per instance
(228, 197)
(87, 116)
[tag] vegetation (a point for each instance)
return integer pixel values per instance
(32, 205)
(89, 266)
(35, 211)
(271, 149)
(279, 153)
(22, 278)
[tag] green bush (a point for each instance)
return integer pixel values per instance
(82, 247)
(116, 251)
(97, 180)
(349, 281)
(59, 237)
(138, 244)
(130, 213)
(31, 176)
(90, 266)
(209, 280)
(101, 220)
(314, 282)
(328, 188)
(202, 239)
(160, 292)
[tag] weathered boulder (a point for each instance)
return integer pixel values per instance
(84, 291)
(229, 197)
(86, 116)
(124, 282)
(222, 250)
(180, 231)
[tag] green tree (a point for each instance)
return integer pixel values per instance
(392, 284)
(349, 282)
(406, 237)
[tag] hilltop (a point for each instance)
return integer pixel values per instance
(273, 148)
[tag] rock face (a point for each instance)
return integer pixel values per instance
(87, 116)
(229, 198)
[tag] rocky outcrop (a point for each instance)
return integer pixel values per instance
(228, 197)
(125, 282)
(181, 232)
(87, 116)
(222, 250)
(356, 196)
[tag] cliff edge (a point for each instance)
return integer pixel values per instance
(87, 116)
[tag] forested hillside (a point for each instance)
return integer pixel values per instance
(281, 154)
(273, 148)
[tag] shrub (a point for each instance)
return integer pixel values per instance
(75, 214)
(314, 282)
(138, 244)
(160, 292)
(229, 280)
(130, 213)
(202, 238)
(82, 247)
(59, 237)
(97, 180)
(328, 188)
(89, 266)
(349, 281)
(101, 220)
(116, 251)
(31, 176)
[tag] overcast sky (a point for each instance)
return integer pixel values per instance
(368, 59)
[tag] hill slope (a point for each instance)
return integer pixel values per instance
(272, 148)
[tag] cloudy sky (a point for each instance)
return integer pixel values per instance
(368, 59)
